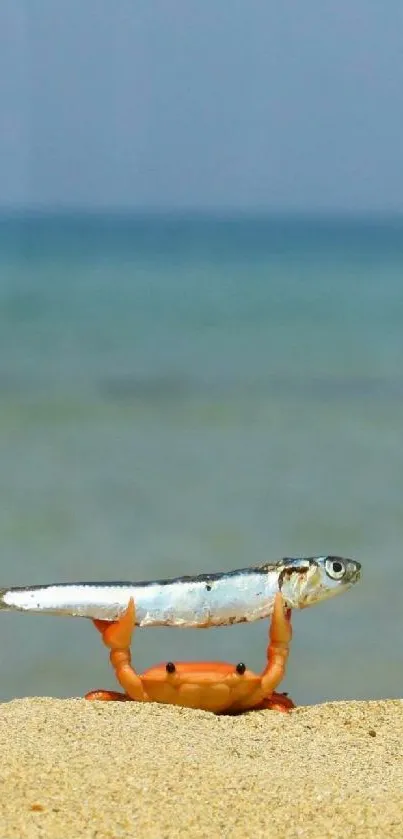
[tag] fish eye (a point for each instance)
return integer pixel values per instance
(335, 568)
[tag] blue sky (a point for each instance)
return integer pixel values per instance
(283, 105)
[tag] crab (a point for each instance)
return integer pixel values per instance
(207, 685)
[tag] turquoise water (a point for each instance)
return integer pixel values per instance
(185, 395)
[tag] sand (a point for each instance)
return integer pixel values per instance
(71, 768)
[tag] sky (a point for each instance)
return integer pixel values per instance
(202, 104)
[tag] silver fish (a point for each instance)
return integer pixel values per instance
(205, 600)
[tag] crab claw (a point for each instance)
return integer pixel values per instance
(117, 635)
(280, 628)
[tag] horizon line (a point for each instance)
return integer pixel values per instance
(225, 213)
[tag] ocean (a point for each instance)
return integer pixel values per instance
(181, 394)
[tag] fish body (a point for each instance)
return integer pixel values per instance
(205, 600)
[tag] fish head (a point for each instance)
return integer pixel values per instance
(307, 581)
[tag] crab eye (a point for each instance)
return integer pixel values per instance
(335, 568)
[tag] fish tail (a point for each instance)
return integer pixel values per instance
(3, 603)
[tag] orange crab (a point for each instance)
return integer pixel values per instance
(207, 685)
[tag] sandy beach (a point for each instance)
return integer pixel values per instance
(71, 768)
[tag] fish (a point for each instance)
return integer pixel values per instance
(205, 600)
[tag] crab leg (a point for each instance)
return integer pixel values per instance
(117, 636)
(280, 634)
(276, 702)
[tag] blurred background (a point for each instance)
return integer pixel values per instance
(201, 321)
